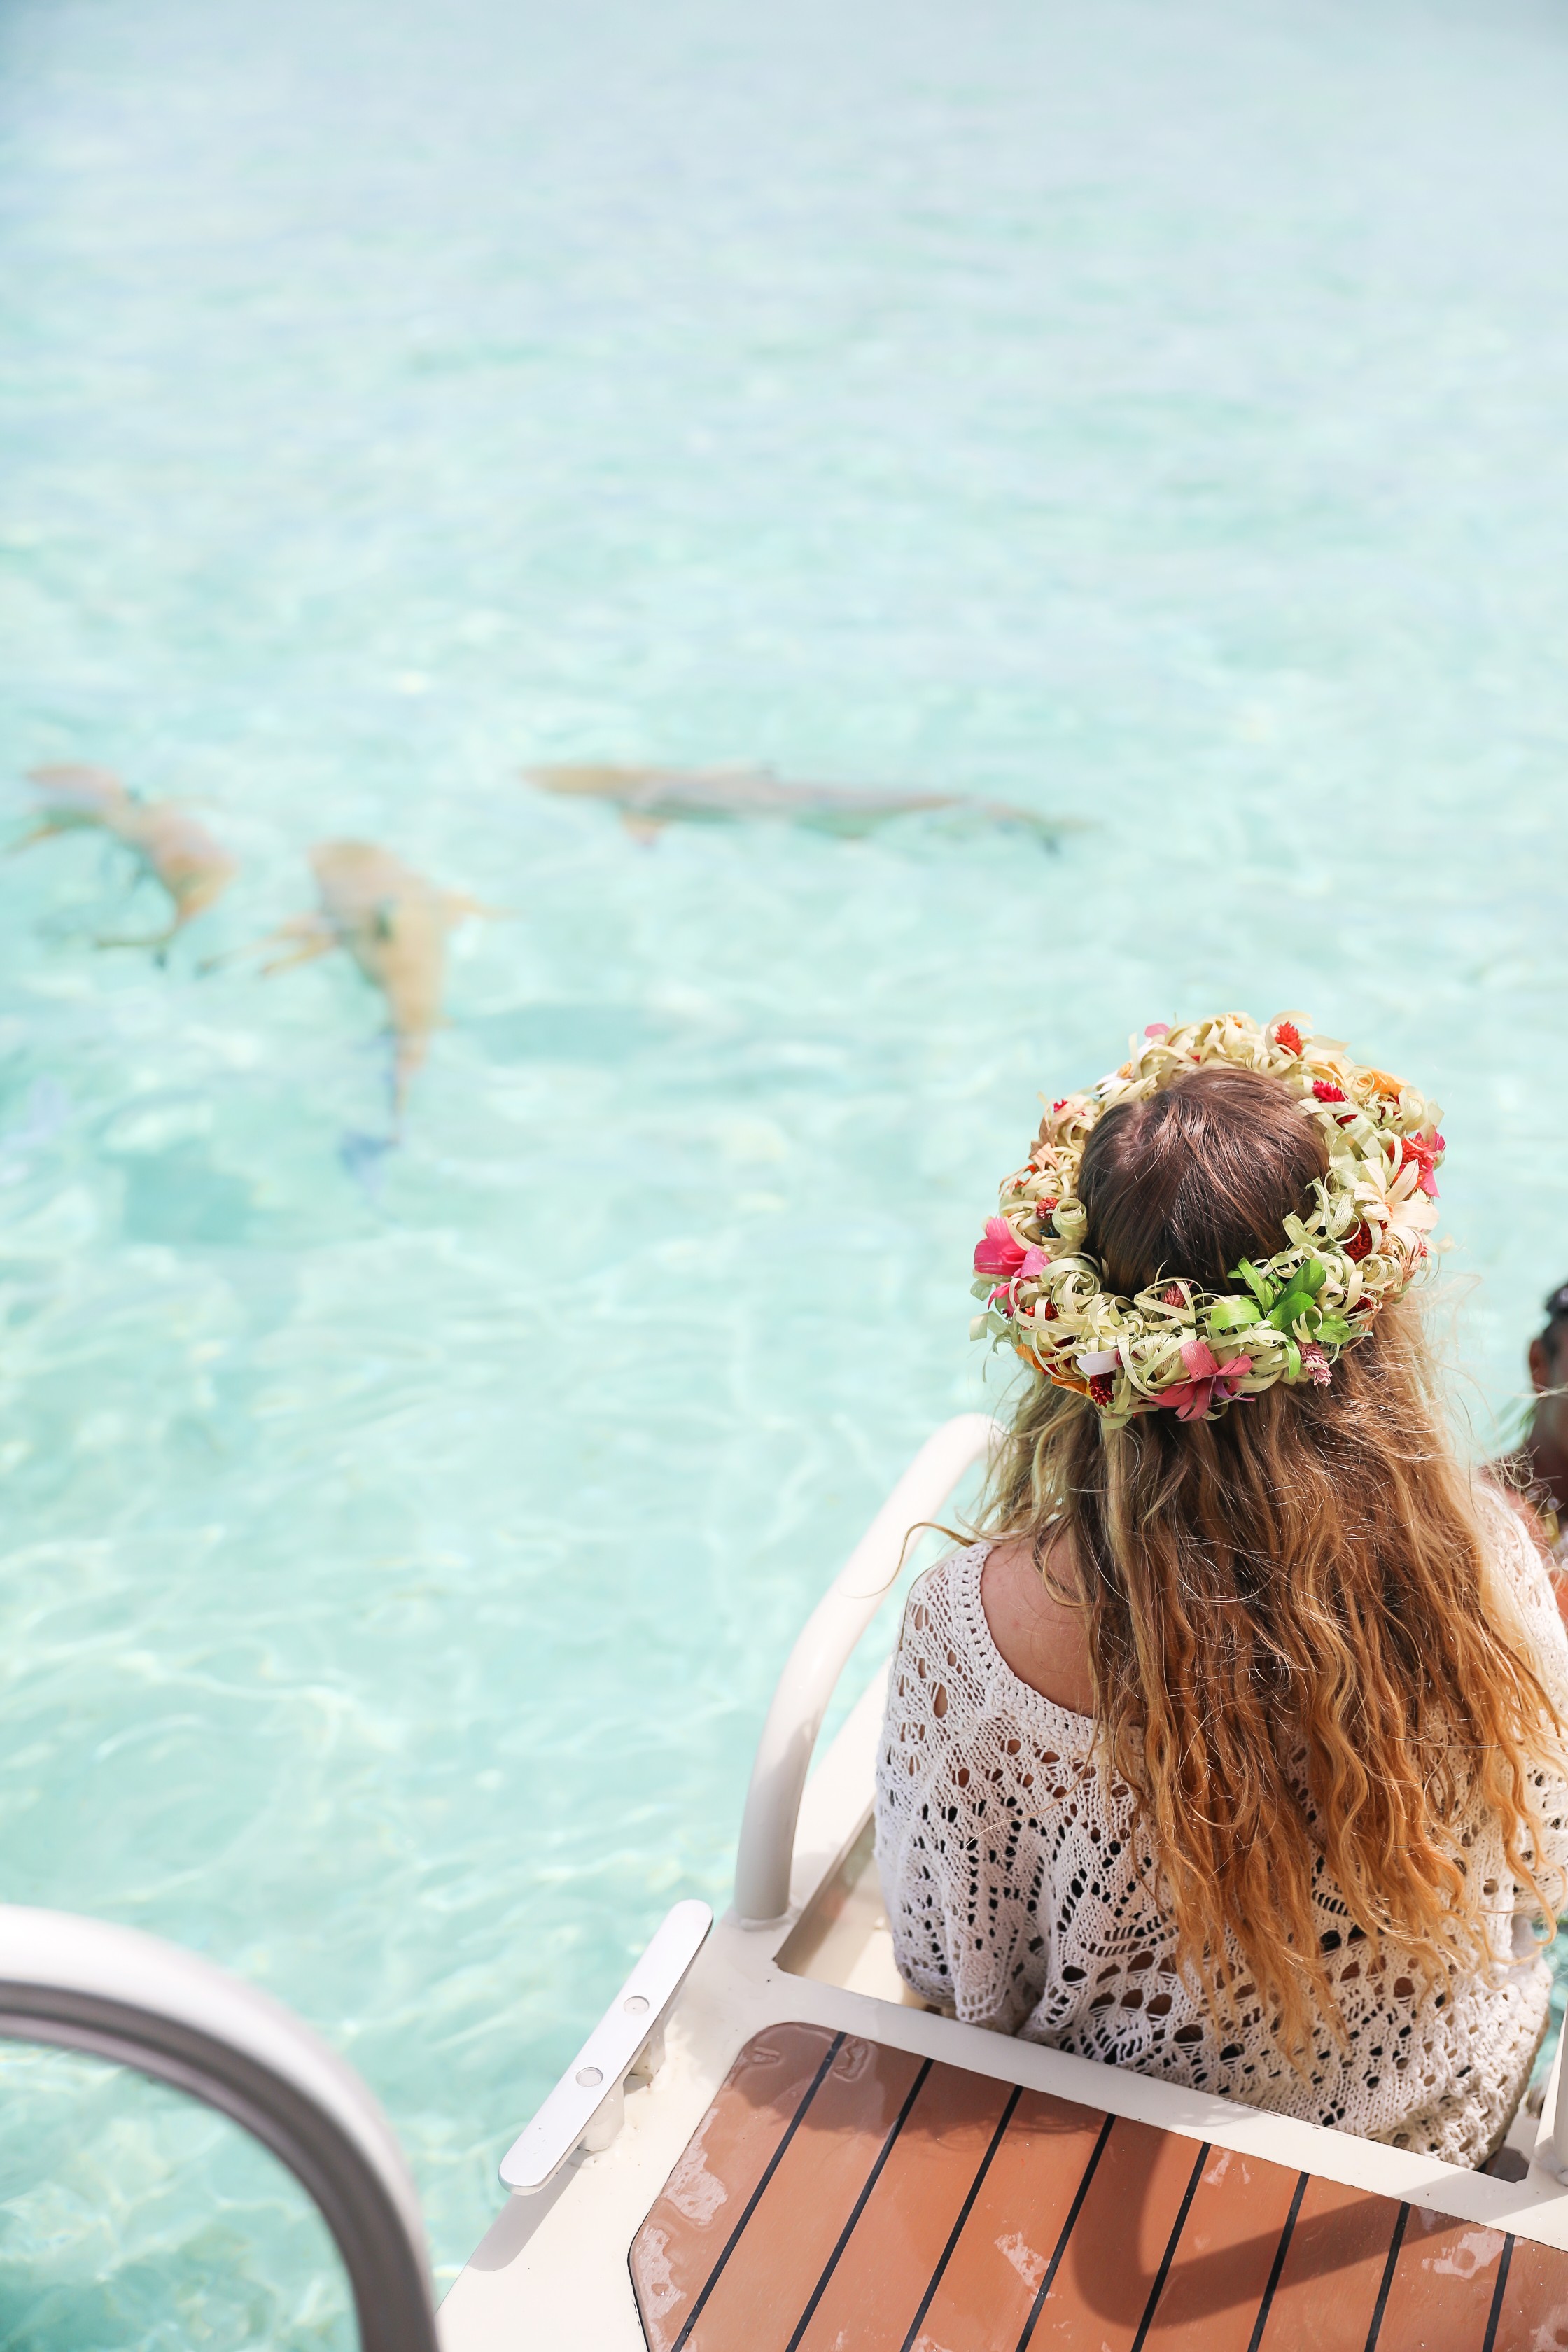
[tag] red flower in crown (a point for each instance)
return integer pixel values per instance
(1102, 1387)
(1002, 1252)
(1327, 1092)
(1422, 1151)
(1286, 1033)
(1359, 1245)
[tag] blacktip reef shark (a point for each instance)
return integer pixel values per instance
(394, 923)
(650, 798)
(168, 842)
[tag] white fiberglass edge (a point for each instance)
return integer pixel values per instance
(587, 2106)
(1550, 2157)
(820, 1654)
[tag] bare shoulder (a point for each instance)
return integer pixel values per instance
(1039, 1635)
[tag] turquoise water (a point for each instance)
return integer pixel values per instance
(1148, 412)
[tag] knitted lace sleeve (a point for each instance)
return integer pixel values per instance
(980, 1784)
(1526, 1588)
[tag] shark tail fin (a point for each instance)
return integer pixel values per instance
(364, 1158)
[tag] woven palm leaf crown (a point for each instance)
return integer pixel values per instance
(1179, 1346)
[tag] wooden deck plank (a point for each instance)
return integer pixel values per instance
(1224, 2256)
(1329, 2280)
(987, 2292)
(1112, 2266)
(1440, 2296)
(675, 2252)
(759, 2295)
(1534, 2312)
(877, 2286)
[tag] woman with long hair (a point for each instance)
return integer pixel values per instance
(1231, 1752)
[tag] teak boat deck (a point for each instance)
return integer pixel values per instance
(843, 2196)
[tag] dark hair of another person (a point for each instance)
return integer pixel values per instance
(1556, 1317)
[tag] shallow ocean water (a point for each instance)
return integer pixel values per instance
(1149, 414)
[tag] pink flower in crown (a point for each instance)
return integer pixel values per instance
(1158, 1031)
(1211, 1382)
(1422, 1151)
(1315, 1365)
(1004, 1256)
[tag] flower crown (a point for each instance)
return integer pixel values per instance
(1178, 1344)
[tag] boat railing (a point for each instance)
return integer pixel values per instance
(820, 1654)
(86, 1984)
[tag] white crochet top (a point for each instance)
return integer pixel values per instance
(1018, 1893)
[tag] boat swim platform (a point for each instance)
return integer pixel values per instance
(784, 2150)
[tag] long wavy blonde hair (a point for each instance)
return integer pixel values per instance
(1299, 1651)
